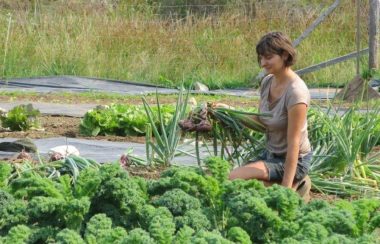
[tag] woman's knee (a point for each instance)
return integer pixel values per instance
(234, 174)
(250, 171)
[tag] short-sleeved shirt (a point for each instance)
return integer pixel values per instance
(277, 125)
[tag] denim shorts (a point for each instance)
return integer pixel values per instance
(276, 169)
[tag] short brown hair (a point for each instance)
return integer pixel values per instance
(276, 43)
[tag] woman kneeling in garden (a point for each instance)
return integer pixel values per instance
(286, 97)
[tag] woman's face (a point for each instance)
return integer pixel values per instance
(272, 63)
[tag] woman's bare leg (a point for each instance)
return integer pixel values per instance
(256, 170)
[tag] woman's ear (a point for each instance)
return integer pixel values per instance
(285, 56)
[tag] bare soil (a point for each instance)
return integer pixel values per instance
(57, 126)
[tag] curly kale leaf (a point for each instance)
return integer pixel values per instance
(99, 230)
(18, 234)
(159, 222)
(87, 183)
(31, 185)
(336, 239)
(238, 235)
(209, 237)
(315, 205)
(218, 167)
(184, 235)
(365, 209)
(13, 213)
(44, 234)
(5, 172)
(283, 200)
(67, 236)
(374, 223)
(5, 198)
(110, 171)
(177, 201)
(119, 196)
(48, 211)
(97, 225)
(148, 212)
(138, 236)
(313, 232)
(333, 219)
(202, 187)
(254, 216)
(162, 229)
(236, 187)
(195, 219)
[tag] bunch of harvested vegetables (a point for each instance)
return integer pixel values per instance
(199, 119)
(227, 125)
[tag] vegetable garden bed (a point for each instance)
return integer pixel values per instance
(106, 204)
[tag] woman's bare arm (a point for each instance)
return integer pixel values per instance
(296, 119)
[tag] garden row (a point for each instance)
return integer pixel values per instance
(79, 201)
(346, 158)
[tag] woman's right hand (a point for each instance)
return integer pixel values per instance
(220, 105)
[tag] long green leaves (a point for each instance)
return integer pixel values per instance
(345, 152)
(166, 137)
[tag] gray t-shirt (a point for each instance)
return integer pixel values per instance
(277, 125)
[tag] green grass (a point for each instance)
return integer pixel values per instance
(138, 44)
(107, 98)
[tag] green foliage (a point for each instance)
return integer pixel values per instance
(21, 118)
(254, 216)
(177, 201)
(209, 237)
(119, 196)
(285, 201)
(194, 219)
(239, 186)
(365, 209)
(5, 198)
(67, 236)
(50, 202)
(120, 119)
(313, 232)
(162, 229)
(5, 171)
(13, 213)
(344, 144)
(44, 234)
(87, 183)
(238, 235)
(166, 134)
(333, 219)
(99, 230)
(106, 205)
(148, 212)
(183, 235)
(189, 180)
(18, 234)
(138, 236)
(218, 167)
(375, 222)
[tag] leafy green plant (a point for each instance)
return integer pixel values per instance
(344, 161)
(107, 205)
(166, 136)
(21, 118)
(120, 119)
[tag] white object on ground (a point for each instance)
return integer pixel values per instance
(200, 87)
(64, 150)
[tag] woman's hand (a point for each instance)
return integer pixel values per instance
(220, 105)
